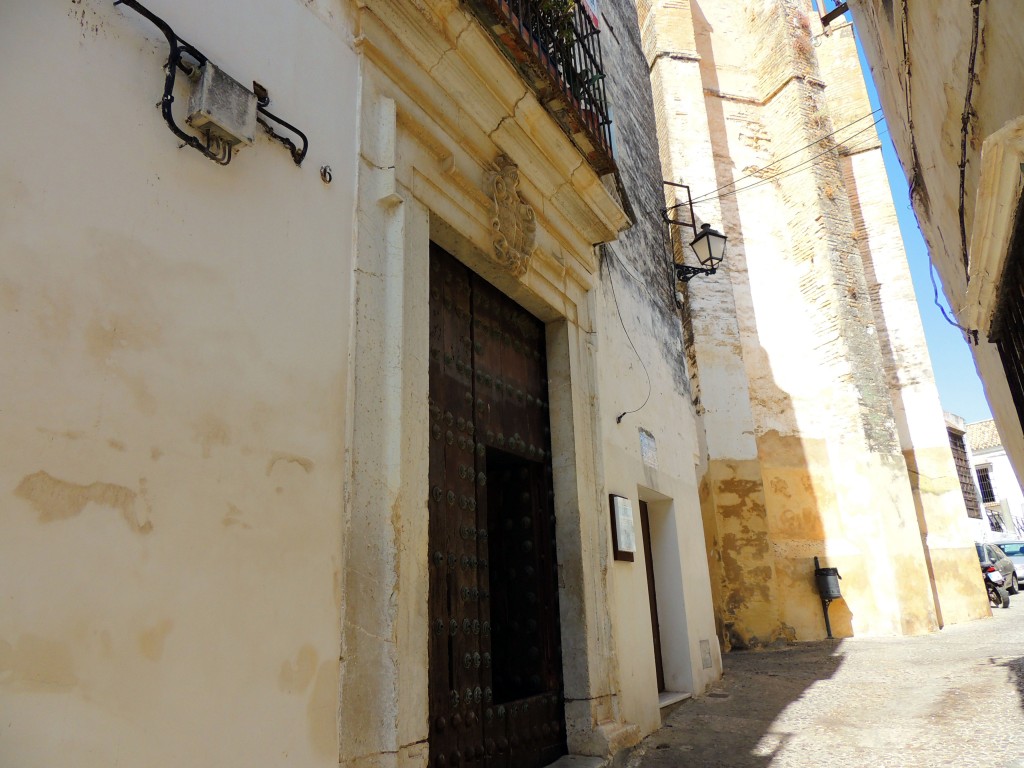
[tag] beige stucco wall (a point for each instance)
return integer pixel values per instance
(174, 396)
(920, 424)
(645, 394)
(945, 529)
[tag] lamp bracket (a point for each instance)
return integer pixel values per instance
(685, 273)
(834, 14)
(669, 214)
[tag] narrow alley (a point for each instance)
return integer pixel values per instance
(953, 698)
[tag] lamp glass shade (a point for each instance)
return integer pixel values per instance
(709, 245)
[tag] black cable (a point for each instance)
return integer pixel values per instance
(792, 168)
(935, 297)
(965, 123)
(615, 298)
(709, 195)
(915, 171)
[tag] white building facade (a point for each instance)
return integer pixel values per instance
(998, 489)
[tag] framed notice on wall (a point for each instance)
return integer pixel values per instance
(623, 532)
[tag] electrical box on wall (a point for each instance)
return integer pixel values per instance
(223, 110)
(222, 106)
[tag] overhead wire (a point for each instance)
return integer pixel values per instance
(787, 171)
(915, 174)
(791, 154)
(971, 334)
(711, 195)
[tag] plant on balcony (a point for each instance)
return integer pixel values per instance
(554, 21)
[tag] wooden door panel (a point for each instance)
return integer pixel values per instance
(495, 659)
(455, 657)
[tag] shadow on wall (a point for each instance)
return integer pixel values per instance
(762, 517)
(738, 725)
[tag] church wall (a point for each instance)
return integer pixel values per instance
(829, 478)
(907, 366)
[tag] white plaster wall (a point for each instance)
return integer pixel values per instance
(176, 334)
(675, 41)
(646, 372)
(683, 591)
(1004, 484)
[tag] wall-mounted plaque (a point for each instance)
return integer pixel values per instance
(623, 532)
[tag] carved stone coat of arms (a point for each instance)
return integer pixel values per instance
(514, 224)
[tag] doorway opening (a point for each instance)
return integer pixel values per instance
(495, 668)
(667, 597)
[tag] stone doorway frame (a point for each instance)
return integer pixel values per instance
(383, 587)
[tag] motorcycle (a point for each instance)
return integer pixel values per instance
(998, 596)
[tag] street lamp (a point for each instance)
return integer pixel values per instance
(708, 244)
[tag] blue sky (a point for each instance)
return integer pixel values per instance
(960, 389)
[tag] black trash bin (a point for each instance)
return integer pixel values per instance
(827, 581)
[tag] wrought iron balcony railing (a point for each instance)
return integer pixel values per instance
(556, 46)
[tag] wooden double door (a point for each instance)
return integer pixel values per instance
(495, 668)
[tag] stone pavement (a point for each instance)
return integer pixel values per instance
(953, 698)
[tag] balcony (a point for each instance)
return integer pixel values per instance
(556, 47)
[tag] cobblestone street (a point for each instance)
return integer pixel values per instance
(954, 698)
